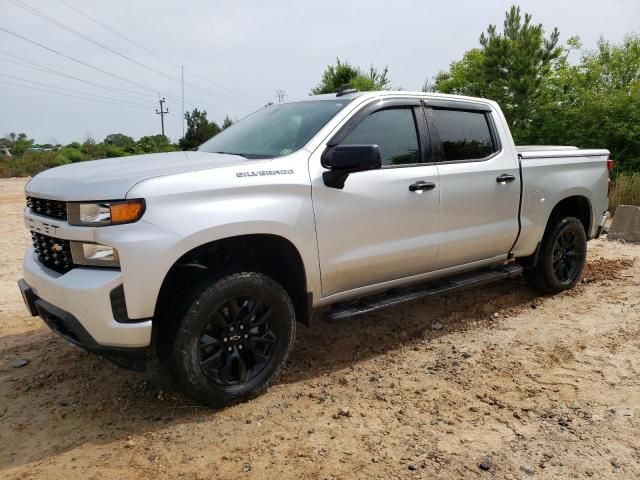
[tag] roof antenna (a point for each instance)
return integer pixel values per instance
(345, 90)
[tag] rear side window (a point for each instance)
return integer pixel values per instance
(464, 135)
(394, 131)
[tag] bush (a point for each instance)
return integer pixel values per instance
(625, 191)
(70, 155)
(30, 164)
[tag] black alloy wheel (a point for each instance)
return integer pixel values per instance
(237, 341)
(567, 257)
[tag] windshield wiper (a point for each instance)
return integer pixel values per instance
(232, 153)
(248, 156)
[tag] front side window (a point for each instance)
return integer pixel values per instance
(276, 130)
(464, 135)
(394, 131)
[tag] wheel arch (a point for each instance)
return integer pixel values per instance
(270, 254)
(578, 206)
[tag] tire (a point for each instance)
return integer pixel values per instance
(233, 339)
(563, 252)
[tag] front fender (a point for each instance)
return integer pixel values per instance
(201, 207)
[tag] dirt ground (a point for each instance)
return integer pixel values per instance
(496, 382)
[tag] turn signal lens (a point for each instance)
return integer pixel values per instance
(126, 212)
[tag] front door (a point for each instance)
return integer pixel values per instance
(383, 225)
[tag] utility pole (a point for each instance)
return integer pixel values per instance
(182, 119)
(281, 94)
(162, 112)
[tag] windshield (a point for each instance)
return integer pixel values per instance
(276, 130)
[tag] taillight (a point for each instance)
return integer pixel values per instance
(610, 164)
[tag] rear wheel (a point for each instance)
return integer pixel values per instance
(234, 339)
(562, 256)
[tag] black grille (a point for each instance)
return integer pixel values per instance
(53, 253)
(48, 208)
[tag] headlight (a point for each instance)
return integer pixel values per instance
(94, 254)
(105, 213)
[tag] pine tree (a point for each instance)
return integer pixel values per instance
(199, 129)
(509, 67)
(342, 73)
(515, 62)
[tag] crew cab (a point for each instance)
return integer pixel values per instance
(333, 206)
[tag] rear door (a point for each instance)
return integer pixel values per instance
(479, 183)
(378, 227)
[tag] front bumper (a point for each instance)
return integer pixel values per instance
(78, 306)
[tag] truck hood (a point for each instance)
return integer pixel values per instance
(112, 178)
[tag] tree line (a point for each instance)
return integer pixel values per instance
(22, 156)
(593, 101)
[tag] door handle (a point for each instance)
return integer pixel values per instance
(421, 186)
(505, 178)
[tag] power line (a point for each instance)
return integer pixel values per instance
(151, 52)
(103, 25)
(68, 57)
(177, 99)
(68, 95)
(115, 89)
(240, 103)
(48, 85)
(101, 70)
(43, 68)
(217, 85)
(61, 25)
(72, 30)
(160, 57)
(51, 67)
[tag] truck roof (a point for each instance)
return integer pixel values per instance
(386, 93)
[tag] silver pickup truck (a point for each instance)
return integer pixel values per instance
(337, 204)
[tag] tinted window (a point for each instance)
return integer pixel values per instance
(275, 130)
(394, 131)
(464, 135)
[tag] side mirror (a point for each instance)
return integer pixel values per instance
(342, 160)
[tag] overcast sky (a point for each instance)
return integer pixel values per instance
(241, 52)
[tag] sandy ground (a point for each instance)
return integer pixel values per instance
(529, 386)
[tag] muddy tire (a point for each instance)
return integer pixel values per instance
(562, 256)
(233, 339)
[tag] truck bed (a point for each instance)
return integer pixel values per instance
(552, 151)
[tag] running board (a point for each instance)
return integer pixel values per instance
(361, 306)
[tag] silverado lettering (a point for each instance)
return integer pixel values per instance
(260, 173)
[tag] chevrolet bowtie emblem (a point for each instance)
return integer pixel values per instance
(56, 247)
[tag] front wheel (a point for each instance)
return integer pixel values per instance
(563, 252)
(234, 339)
